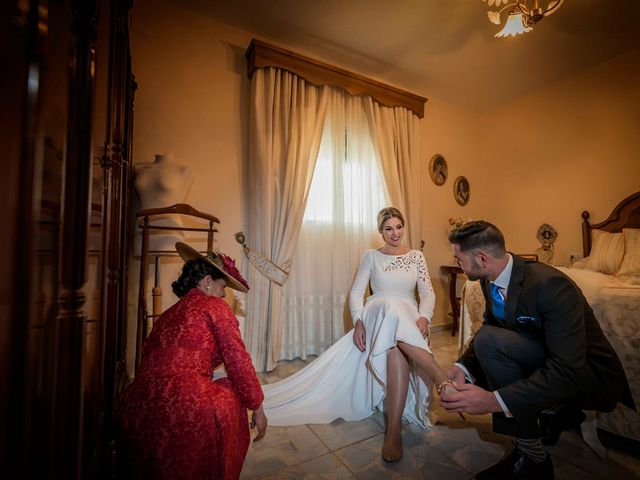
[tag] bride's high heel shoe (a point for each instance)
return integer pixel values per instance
(449, 387)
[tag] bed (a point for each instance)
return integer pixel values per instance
(609, 276)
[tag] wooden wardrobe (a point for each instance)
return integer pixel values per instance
(67, 95)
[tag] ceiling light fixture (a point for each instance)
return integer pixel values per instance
(522, 14)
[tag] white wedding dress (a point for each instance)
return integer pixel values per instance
(346, 383)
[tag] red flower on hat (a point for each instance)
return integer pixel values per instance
(229, 266)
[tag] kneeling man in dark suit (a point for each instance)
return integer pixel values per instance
(540, 349)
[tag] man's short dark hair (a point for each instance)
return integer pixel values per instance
(479, 235)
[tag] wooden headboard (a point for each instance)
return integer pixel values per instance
(625, 215)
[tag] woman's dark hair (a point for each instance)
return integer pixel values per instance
(479, 235)
(192, 272)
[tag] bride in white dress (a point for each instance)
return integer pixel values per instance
(385, 354)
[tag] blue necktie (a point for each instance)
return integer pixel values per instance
(497, 301)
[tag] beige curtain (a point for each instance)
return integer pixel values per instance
(346, 193)
(397, 142)
(286, 121)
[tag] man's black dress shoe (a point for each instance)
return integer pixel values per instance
(553, 423)
(518, 466)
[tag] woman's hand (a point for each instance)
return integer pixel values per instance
(423, 326)
(359, 336)
(259, 419)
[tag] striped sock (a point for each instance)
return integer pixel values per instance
(532, 448)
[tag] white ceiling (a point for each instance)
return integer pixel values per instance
(438, 48)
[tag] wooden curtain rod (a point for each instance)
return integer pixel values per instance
(261, 55)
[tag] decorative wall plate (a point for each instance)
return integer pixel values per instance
(546, 235)
(438, 169)
(462, 190)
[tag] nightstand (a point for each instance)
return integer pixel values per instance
(452, 272)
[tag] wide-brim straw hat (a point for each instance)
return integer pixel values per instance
(224, 264)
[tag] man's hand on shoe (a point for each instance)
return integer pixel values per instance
(470, 399)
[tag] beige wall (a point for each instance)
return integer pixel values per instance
(453, 133)
(192, 101)
(569, 147)
(544, 158)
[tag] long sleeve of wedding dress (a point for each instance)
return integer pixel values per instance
(425, 289)
(359, 287)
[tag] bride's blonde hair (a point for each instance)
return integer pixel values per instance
(386, 213)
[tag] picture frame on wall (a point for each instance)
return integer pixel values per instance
(462, 190)
(438, 169)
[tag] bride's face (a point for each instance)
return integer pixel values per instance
(392, 232)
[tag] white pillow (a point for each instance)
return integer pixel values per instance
(631, 261)
(607, 251)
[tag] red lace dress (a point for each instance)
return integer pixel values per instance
(175, 422)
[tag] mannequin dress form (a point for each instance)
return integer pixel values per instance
(160, 184)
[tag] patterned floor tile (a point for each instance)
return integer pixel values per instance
(339, 433)
(463, 444)
(572, 449)
(566, 471)
(280, 448)
(326, 467)
(419, 461)
(453, 449)
(627, 462)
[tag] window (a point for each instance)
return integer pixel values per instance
(346, 193)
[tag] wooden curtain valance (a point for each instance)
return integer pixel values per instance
(261, 55)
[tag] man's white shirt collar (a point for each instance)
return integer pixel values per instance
(505, 276)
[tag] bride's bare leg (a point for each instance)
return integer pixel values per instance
(426, 363)
(397, 385)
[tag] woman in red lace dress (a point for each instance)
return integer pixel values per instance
(175, 422)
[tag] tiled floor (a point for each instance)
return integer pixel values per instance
(453, 449)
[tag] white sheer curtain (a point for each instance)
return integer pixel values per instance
(287, 117)
(339, 223)
(397, 143)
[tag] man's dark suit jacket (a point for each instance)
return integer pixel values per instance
(581, 367)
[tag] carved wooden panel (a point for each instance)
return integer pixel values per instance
(625, 215)
(66, 83)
